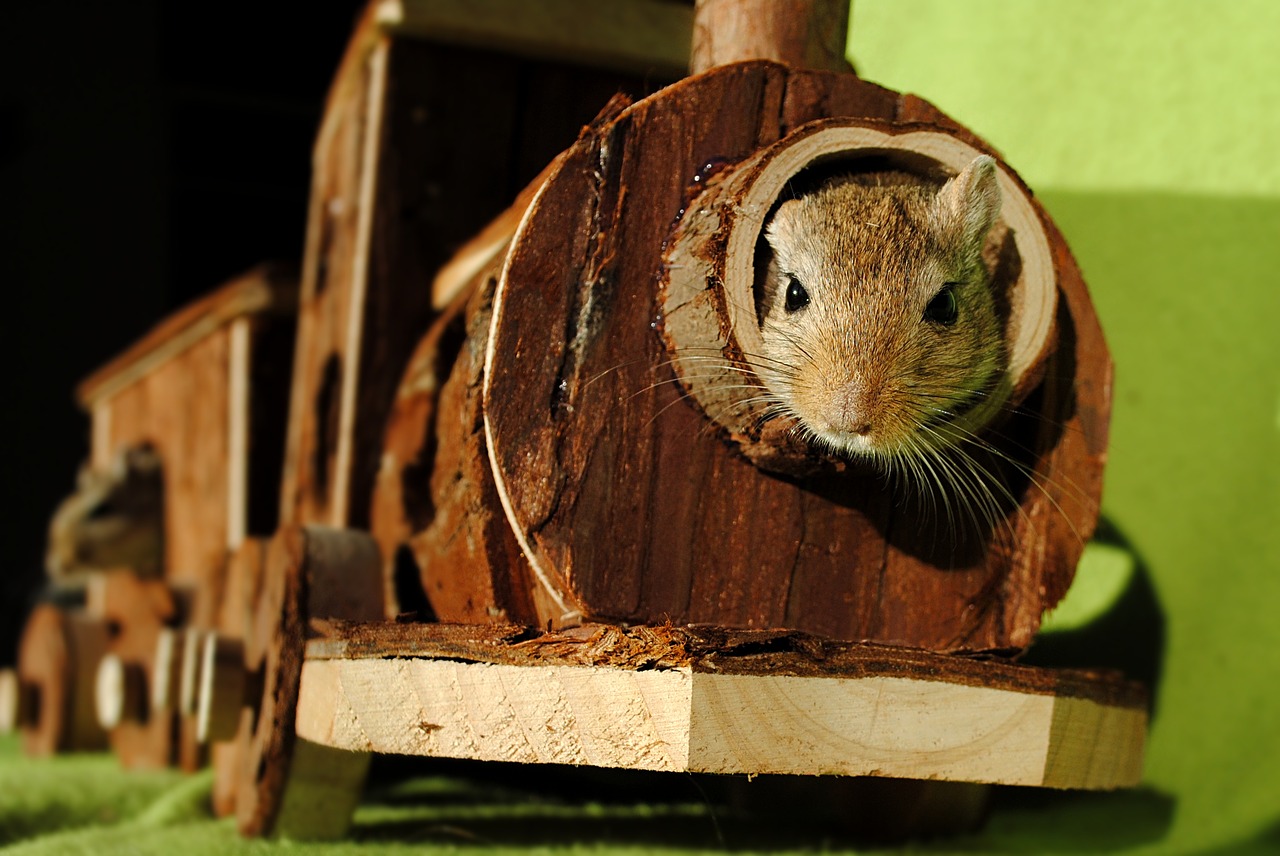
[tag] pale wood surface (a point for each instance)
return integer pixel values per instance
(681, 719)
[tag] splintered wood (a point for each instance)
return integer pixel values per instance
(716, 702)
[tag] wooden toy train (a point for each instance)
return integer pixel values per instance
(505, 505)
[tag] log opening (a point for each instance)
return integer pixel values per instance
(708, 300)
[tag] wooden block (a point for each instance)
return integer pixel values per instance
(717, 704)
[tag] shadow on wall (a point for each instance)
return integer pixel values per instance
(1129, 637)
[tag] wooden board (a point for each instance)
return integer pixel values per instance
(703, 700)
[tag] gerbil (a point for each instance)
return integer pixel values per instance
(115, 519)
(876, 313)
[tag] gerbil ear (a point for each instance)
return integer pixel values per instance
(779, 225)
(968, 204)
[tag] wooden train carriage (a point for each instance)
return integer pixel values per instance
(208, 389)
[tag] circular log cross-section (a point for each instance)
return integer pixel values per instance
(710, 271)
(139, 610)
(624, 496)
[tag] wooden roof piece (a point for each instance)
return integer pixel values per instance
(269, 288)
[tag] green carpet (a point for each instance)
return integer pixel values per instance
(1151, 129)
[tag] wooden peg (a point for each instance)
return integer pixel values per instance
(120, 693)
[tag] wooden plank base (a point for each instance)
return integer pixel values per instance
(700, 700)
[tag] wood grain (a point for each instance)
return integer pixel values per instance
(713, 703)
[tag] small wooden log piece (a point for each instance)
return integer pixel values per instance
(189, 671)
(710, 700)
(285, 785)
(800, 33)
(52, 688)
(167, 677)
(223, 685)
(18, 702)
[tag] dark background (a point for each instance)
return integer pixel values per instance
(148, 151)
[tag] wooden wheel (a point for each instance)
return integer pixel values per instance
(49, 698)
(137, 612)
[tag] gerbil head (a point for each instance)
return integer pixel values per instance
(878, 324)
(115, 519)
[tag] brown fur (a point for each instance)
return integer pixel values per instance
(860, 367)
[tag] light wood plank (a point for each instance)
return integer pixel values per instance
(682, 719)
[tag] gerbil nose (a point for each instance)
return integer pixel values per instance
(856, 407)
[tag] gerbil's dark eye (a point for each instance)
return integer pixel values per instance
(943, 309)
(797, 297)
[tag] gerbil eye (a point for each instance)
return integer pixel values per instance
(943, 309)
(797, 297)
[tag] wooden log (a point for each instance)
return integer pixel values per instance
(800, 33)
(602, 466)
(207, 389)
(137, 610)
(51, 699)
(435, 503)
(715, 701)
(285, 787)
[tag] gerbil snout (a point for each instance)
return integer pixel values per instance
(876, 317)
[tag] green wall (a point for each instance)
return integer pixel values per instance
(1151, 130)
